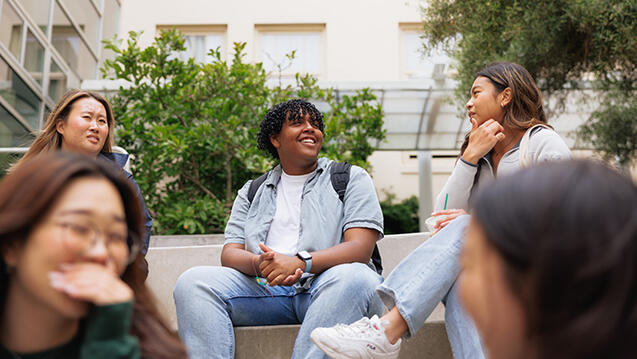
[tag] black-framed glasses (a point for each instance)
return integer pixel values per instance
(83, 236)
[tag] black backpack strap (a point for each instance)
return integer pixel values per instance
(339, 174)
(378, 263)
(254, 186)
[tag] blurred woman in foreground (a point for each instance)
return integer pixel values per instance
(554, 273)
(70, 281)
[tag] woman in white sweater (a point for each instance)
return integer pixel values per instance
(509, 131)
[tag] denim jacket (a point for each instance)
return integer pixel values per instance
(324, 218)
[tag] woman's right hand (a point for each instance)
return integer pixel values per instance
(482, 139)
(450, 215)
(91, 282)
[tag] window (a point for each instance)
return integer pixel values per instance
(34, 57)
(37, 10)
(276, 42)
(414, 62)
(200, 39)
(12, 133)
(10, 29)
(18, 95)
(69, 44)
(85, 15)
(57, 82)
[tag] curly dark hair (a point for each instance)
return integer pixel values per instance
(292, 110)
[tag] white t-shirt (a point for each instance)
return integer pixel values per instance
(283, 236)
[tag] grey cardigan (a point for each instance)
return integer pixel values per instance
(544, 145)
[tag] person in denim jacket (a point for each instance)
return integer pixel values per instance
(294, 254)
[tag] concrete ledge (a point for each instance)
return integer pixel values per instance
(276, 342)
(169, 256)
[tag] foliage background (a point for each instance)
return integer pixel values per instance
(192, 127)
(560, 42)
(401, 217)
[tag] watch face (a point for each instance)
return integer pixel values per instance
(304, 255)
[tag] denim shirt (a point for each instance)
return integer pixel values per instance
(324, 218)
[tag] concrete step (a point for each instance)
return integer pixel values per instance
(276, 342)
(169, 256)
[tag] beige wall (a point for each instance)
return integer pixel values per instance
(396, 172)
(362, 36)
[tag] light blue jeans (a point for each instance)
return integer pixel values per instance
(428, 276)
(210, 300)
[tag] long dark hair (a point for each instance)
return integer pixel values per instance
(567, 232)
(525, 109)
(27, 193)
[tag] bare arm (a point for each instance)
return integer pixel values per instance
(235, 256)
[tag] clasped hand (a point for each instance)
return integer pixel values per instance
(278, 268)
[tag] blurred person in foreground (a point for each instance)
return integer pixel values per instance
(70, 280)
(82, 122)
(509, 131)
(554, 273)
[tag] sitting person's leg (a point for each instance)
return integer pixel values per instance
(340, 294)
(424, 277)
(461, 331)
(210, 300)
(413, 290)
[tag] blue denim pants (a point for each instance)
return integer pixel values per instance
(428, 276)
(210, 300)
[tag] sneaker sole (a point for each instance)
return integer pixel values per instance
(336, 355)
(331, 353)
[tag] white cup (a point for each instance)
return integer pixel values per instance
(431, 221)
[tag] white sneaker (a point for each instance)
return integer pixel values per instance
(364, 339)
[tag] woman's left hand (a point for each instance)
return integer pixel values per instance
(450, 215)
(91, 282)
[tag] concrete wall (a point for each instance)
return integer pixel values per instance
(361, 36)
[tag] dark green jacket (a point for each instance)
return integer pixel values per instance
(104, 335)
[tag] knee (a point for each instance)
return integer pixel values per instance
(354, 278)
(192, 281)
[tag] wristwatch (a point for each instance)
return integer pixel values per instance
(307, 258)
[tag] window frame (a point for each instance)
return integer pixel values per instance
(292, 29)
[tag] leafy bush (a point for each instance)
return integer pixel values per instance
(400, 217)
(192, 127)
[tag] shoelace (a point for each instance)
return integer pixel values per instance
(361, 329)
